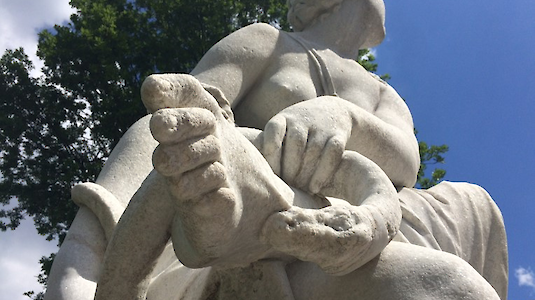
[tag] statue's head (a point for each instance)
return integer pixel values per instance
(371, 13)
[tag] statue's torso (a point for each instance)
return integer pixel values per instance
(292, 76)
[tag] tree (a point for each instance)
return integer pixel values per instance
(430, 155)
(57, 130)
(44, 148)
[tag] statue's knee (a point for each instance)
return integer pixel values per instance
(423, 273)
(460, 280)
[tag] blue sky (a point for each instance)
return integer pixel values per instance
(466, 71)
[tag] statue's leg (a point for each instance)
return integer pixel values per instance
(401, 271)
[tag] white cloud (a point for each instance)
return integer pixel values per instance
(525, 277)
(20, 251)
(21, 21)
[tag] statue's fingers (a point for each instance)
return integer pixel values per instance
(294, 146)
(173, 160)
(314, 147)
(199, 181)
(273, 136)
(330, 158)
(177, 124)
(173, 91)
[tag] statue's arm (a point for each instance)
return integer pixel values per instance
(390, 141)
(77, 266)
(236, 62)
(353, 231)
(385, 135)
(78, 263)
(304, 142)
(138, 241)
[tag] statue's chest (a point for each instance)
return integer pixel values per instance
(296, 77)
(346, 79)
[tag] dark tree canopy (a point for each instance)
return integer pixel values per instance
(57, 130)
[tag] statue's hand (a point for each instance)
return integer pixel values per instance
(176, 90)
(220, 185)
(184, 123)
(304, 143)
(337, 238)
(189, 153)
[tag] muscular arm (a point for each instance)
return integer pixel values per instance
(386, 136)
(235, 63)
(304, 142)
(77, 265)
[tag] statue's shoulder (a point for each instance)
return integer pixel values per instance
(255, 40)
(378, 78)
(260, 30)
(255, 35)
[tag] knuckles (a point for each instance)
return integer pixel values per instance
(199, 181)
(189, 153)
(175, 124)
(178, 158)
(336, 145)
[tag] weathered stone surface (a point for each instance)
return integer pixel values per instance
(313, 201)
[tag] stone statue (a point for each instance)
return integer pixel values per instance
(312, 200)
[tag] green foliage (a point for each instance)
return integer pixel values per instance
(367, 60)
(430, 155)
(43, 152)
(57, 130)
(35, 296)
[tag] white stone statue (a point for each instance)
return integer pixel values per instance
(313, 201)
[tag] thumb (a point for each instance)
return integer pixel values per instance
(175, 91)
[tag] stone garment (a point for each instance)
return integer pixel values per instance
(461, 219)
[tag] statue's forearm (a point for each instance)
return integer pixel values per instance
(361, 182)
(139, 239)
(366, 187)
(77, 265)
